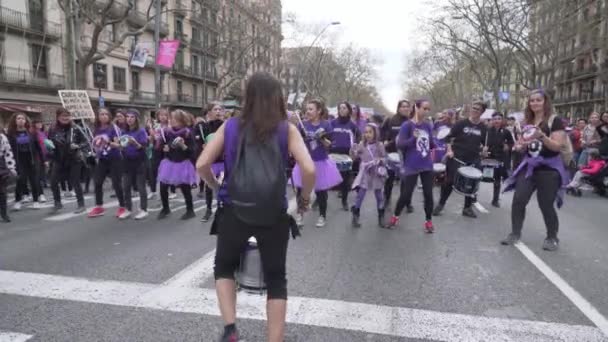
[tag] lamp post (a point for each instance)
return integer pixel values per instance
(300, 67)
(99, 75)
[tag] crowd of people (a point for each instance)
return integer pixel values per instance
(247, 163)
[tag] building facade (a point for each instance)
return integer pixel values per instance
(31, 57)
(575, 63)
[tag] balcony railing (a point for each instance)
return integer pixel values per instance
(181, 36)
(139, 96)
(17, 76)
(15, 20)
(185, 99)
(595, 96)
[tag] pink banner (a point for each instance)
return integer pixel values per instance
(166, 53)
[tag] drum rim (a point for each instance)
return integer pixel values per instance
(472, 168)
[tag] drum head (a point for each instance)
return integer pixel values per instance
(490, 163)
(438, 167)
(340, 158)
(394, 156)
(443, 132)
(528, 131)
(470, 172)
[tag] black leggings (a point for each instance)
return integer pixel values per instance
(272, 243)
(546, 183)
(135, 172)
(70, 169)
(407, 190)
(388, 186)
(452, 167)
(499, 173)
(186, 191)
(321, 201)
(345, 185)
(28, 172)
(113, 168)
(157, 157)
(208, 193)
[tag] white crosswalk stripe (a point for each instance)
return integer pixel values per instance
(7, 336)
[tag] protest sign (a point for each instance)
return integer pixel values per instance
(77, 103)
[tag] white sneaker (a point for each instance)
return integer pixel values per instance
(125, 215)
(299, 220)
(151, 195)
(42, 198)
(17, 206)
(26, 199)
(72, 193)
(36, 205)
(172, 195)
(321, 222)
(142, 214)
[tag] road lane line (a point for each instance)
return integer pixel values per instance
(195, 274)
(7, 336)
(481, 208)
(576, 298)
(334, 314)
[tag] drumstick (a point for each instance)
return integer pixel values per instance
(460, 161)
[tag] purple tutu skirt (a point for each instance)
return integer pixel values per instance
(327, 172)
(217, 168)
(173, 173)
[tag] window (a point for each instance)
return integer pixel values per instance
(179, 87)
(112, 33)
(100, 76)
(179, 26)
(194, 92)
(195, 65)
(196, 35)
(179, 58)
(39, 65)
(120, 81)
(135, 81)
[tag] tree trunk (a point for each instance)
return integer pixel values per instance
(81, 76)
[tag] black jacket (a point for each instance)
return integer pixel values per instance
(63, 137)
(390, 130)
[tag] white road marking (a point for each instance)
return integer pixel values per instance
(195, 274)
(335, 314)
(481, 208)
(576, 298)
(174, 209)
(7, 336)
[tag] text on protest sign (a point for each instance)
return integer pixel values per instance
(77, 103)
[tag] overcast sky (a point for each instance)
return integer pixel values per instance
(385, 26)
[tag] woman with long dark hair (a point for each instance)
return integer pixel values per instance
(345, 134)
(388, 133)
(542, 169)
(134, 140)
(416, 142)
(28, 155)
(159, 141)
(109, 161)
(358, 119)
(264, 117)
(317, 135)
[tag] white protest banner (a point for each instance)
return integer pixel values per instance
(77, 103)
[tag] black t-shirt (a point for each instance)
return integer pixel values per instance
(558, 125)
(467, 139)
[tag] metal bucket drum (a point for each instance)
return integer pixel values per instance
(466, 181)
(443, 132)
(343, 162)
(124, 140)
(250, 275)
(394, 161)
(488, 167)
(177, 141)
(438, 168)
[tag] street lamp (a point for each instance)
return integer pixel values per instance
(300, 68)
(99, 76)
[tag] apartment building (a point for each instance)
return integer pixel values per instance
(31, 57)
(575, 63)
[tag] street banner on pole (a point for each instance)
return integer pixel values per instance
(77, 103)
(167, 49)
(140, 55)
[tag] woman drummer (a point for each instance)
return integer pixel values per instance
(388, 133)
(542, 169)
(345, 134)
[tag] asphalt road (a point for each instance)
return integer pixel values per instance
(69, 278)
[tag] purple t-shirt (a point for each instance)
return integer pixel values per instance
(417, 150)
(107, 134)
(344, 135)
(312, 132)
(131, 151)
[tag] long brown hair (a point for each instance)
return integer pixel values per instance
(97, 123)
(12, 124)
(264, 105)
(547, 108)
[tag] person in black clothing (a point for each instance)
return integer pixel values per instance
(67, 157)
(465, 142)
(500, 141)
(28, 155)
(388, 133)
(602, 131)
(202, 130)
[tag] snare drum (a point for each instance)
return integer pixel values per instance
(438, 168)
(489, 167)
(466, 181)
(343, 162)
(394, 161)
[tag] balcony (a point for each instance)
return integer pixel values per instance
(182, 37)
(23, 23)
(181, 7)
(144, 97)
(28, 78)
(582, 98)
(186, 100)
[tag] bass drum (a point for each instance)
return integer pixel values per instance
(466, 181)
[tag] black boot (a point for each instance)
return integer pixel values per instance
(344, 204)
(355, 220)
(381, 218)
(3, 209)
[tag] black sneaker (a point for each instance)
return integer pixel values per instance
(230, 336)
(551, 244)
(468, 212)
(81, 209)
(163, 214)
(438, 209)
(55, 209)
(345, 206)
(207, 215)
(510, 240)
(410, 209)
(6, 219)
(188, 215)
(496, 204)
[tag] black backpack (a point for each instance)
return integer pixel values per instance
(257, 181)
